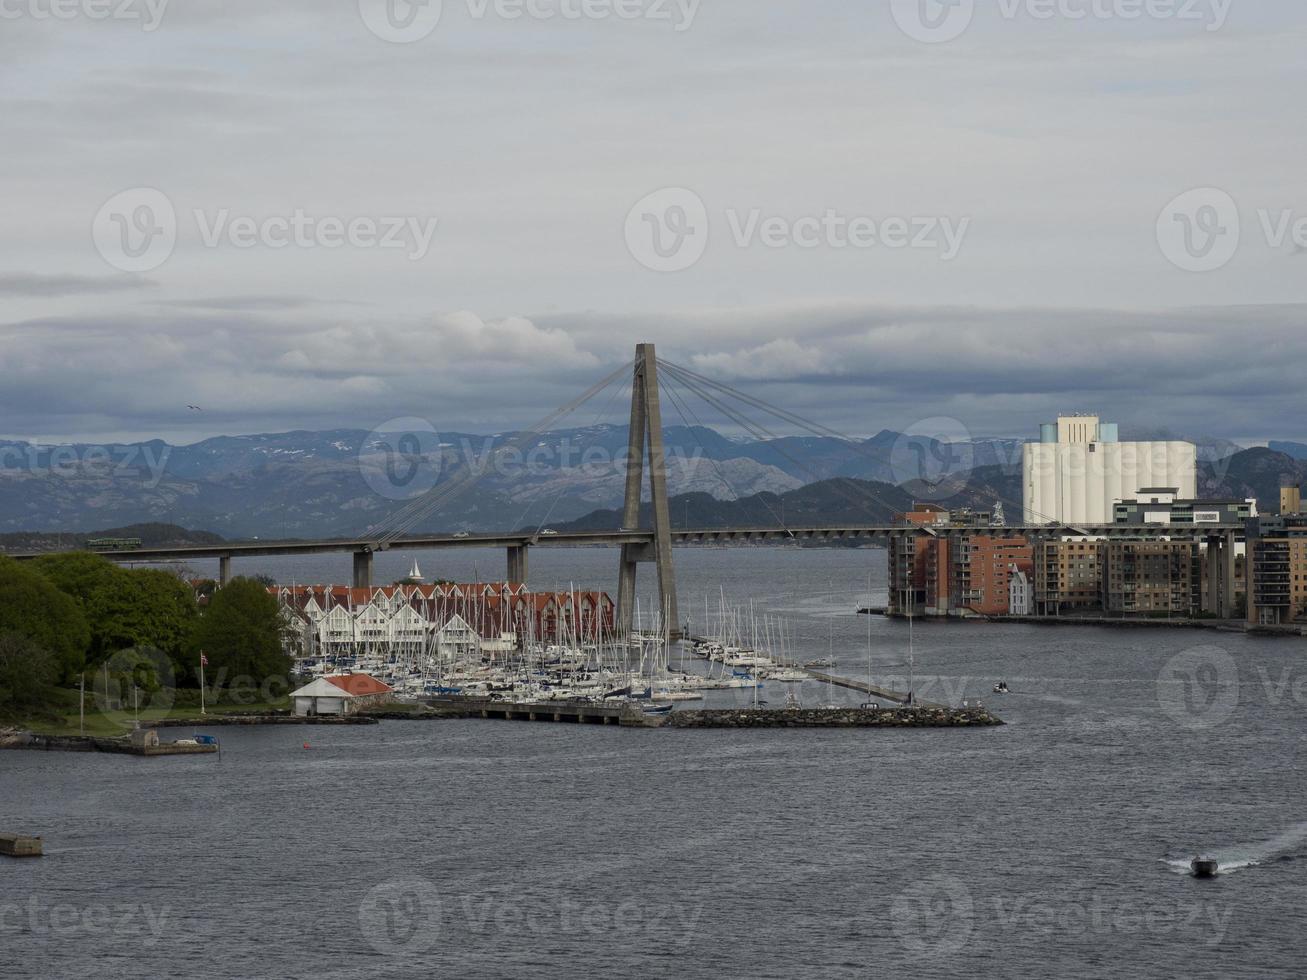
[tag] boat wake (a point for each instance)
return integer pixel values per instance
(1239, 857)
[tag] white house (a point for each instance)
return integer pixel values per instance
(321, 697)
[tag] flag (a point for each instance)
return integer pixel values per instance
(204, 661)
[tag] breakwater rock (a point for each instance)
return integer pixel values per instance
(919, 717)
(212, 721)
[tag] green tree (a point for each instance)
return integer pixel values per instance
(240, 632)
(27, 673)
(33, 608)
(124, 608)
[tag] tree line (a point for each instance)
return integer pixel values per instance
(69, 614)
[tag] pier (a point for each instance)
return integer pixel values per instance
(572, 712)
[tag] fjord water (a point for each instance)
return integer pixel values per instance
(1052, 846)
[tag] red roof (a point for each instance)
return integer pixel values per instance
(359, 685)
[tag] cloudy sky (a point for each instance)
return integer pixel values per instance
(333, 213)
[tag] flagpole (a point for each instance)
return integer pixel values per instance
(202, 662)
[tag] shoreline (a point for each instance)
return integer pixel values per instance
(1288, 631)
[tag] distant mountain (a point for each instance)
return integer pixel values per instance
(1297, 450)
(1258, 473)
(307, 484)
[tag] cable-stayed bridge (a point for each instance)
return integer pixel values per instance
(646, 470)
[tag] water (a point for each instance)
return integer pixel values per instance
(1053, 846)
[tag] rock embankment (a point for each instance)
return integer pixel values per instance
(919, 717)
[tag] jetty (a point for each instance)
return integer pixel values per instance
(916, 717)
(628, 715)
(18, 846)
(135, 744)
(573, 712)
(884, 693)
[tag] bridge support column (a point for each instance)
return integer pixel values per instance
(517, 564)
(1212, 601)
(224, 570)
(647, 430)
(363, 569)
(1228, 566)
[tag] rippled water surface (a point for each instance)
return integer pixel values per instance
(1054, 846)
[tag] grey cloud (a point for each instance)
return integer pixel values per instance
(857, 369)
(53, 286)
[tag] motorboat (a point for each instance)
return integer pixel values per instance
(1205, 867)
(1001, 688)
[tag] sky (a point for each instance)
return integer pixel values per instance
(311, 215)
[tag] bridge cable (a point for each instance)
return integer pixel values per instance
(608, 406)
(413, 513)
(821, 430)
(761, 432)
(721, 473)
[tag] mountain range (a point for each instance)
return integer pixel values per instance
(340, 482)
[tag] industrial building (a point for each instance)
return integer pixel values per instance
(1079, 469)
(1163, 505)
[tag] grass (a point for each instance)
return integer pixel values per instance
(63, 717)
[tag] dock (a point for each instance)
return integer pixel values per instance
(569, 712)
(92, 743)
(885, 694)
(630, 716)
(18, 846)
